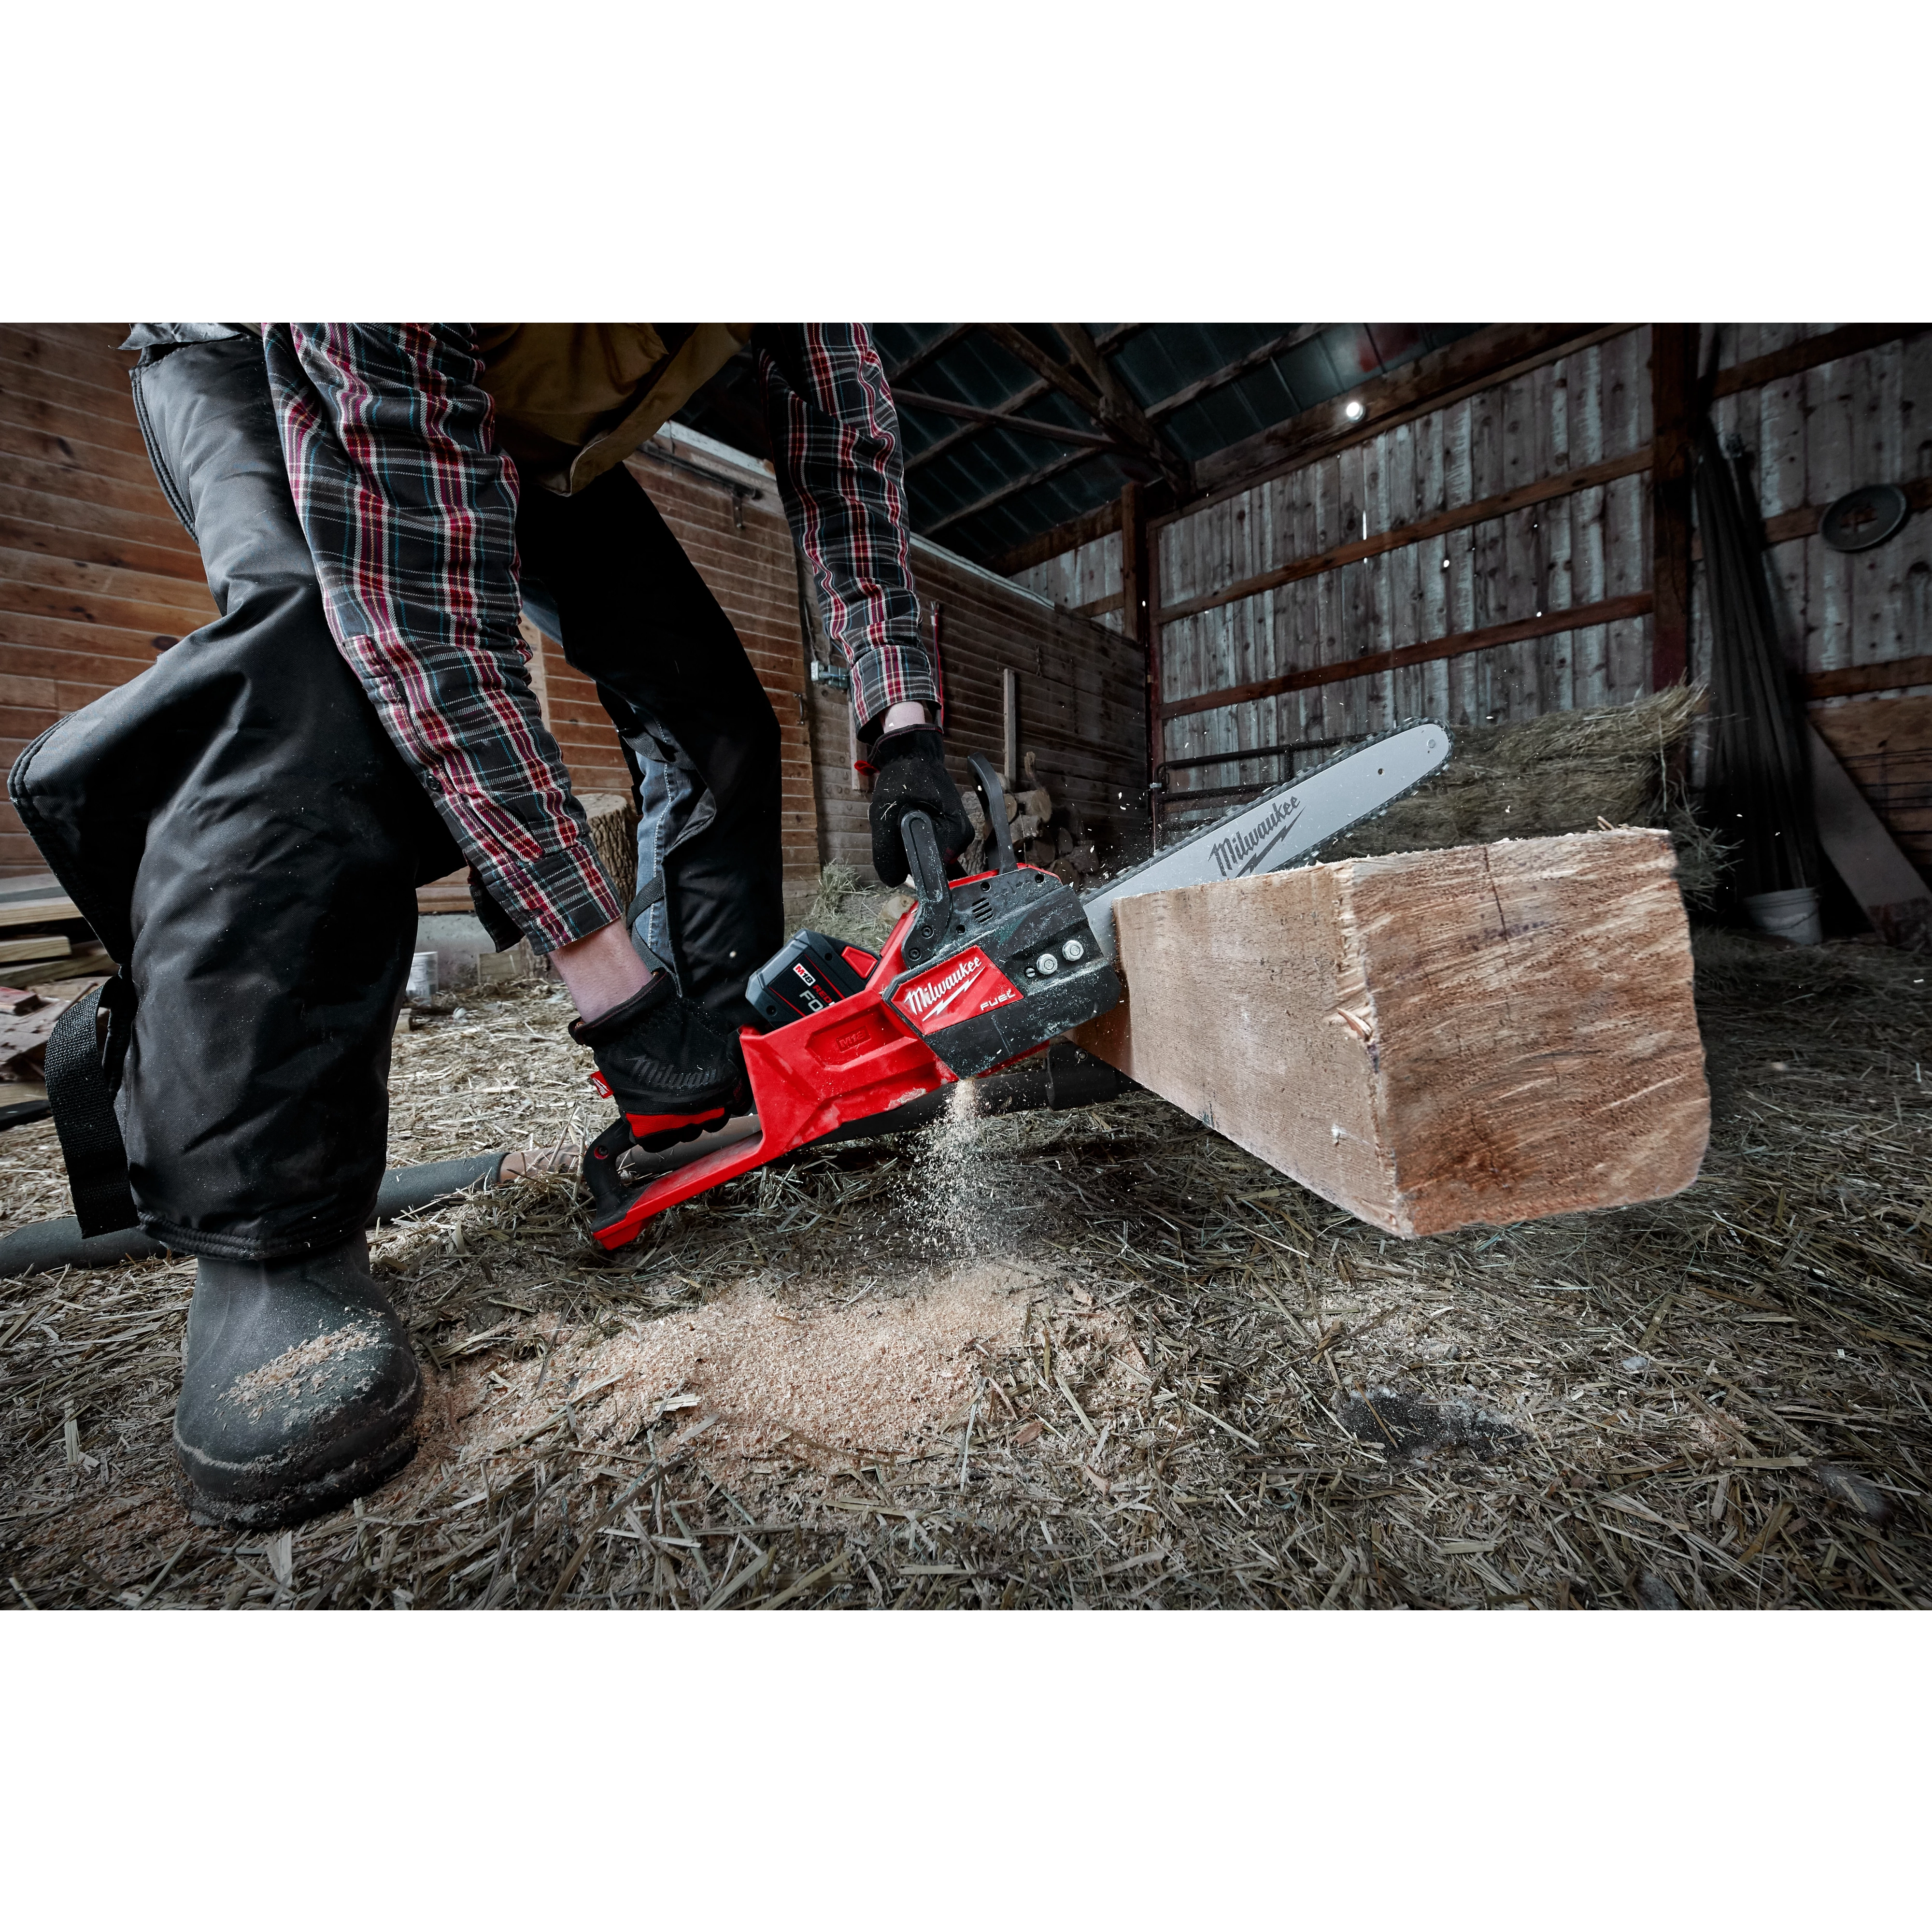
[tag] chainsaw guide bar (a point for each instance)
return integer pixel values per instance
(1270, 833)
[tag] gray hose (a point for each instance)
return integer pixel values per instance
(51, 1244)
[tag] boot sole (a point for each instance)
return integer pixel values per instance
(300, 1501)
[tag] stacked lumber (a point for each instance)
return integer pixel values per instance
(1489, 1033)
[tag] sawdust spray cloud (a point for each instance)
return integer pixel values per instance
(950, 1209)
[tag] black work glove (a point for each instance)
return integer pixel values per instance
(912, 776)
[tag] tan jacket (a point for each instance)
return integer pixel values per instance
(574, 398)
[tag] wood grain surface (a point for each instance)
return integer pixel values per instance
(1487, 1034)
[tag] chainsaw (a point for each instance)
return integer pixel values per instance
(978, 973)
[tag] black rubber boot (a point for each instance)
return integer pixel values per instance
(670, 1074)
(298, 1391)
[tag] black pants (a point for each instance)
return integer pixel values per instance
(603, 574)
(237, 827)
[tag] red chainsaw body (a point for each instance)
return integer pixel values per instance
(859, 1057)
(1002, 963)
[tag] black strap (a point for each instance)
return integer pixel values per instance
(83, 1077)
(647, 896)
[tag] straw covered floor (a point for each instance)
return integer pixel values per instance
(1100, 1358)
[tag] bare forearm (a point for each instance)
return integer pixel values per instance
(600, 972)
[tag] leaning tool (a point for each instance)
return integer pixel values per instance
(978, 973)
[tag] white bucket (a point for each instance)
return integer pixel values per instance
(422, 979)
(1791, 915)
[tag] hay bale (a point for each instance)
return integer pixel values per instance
(855, 915)
(1567, 771)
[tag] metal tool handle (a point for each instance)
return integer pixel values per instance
(928, 878)
(993, 802)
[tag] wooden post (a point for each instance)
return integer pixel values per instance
(1673, 377)
(1010, 721)
(1139, 599)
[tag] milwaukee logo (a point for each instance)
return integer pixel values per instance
(1243, 851)
(960, 990)
(922, 997)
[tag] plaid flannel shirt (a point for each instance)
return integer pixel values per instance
(410, 511)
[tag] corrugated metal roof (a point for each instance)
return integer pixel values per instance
(981, 489)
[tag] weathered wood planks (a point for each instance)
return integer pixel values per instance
(1326, 602)
(1812, 430)
(1487, 1034)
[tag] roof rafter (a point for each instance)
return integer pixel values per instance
(1105, 398)
(1118, 409)
(912, 399)
(1019, 399)
(938, 346)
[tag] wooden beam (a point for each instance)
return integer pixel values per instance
(1050, 370)
(1101, 521)
(1107, 409)
(1242, 365)
(1120, 409)
(1021, 399)
(1880, 876)
(913, 399)
(1434, 1039)
(1855, 680)
(1458, 644)
(946, 444)
(1546, 489)
(938, 346)
(1673, 379)
(1811, 353)
(1099, 607)
(1472, 362)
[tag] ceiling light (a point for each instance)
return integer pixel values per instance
(1354, 412)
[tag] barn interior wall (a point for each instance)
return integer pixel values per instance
(94, 567)
(1079, 684)
(1347, 587)
(1085, 580)
(1859, 618)
(1590, 547)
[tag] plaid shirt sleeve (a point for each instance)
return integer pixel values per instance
(410, 512)
(836, 444)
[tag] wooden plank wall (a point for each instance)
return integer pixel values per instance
(1809, 438)
(1082, 709)
(1085, 581)
(93, 565)
(1589, 408)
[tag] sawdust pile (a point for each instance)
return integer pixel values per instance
(832, 1383)
(1152, 1371)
